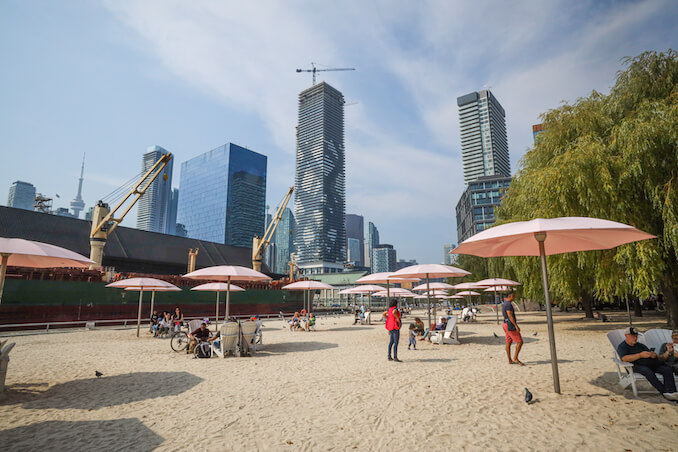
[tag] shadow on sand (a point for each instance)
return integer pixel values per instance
(609, 381)
(491, 340)
(94, 393)
(118, 434)
(293, 347)
(348, 328)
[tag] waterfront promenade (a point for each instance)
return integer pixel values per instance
(332, 389)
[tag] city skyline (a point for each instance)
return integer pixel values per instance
(152, 86)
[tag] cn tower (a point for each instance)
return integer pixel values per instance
(78, 205)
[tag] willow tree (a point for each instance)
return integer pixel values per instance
(615, 157)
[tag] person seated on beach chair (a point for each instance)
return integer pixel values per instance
(442, 325)
(309, 322)
(295, 323)
(600, 316)
(154, 323)
(201, 334)
(419, 326)
(668, 352)
(164, 325)
(645, 362)
(466, 314)
(177, 319)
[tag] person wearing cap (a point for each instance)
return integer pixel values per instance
(511, 329)
(668, 353)
(646, 363)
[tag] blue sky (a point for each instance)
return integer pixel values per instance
(110, 78)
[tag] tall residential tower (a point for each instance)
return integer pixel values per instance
(152, 213)
(319, 201)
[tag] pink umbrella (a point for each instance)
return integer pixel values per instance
(395, 292)
(467, 285)
(542, 237)
(142, 284)
(383, 278)
(307, 286)
(467, 293)
(429, 271)
(366, 289)
(27, 253)
(434, 286)
(227, 273)
(153, 291)
(493, 284)
(218, 288)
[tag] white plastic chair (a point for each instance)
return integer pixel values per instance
(449, 336)
(228, 338)
(247, 329)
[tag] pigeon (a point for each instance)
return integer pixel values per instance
(495, 335)
(528, 396)
(97, 373)
(535, 333)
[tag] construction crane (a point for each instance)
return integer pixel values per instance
(259, 244)
(315, 69)
(104, 221)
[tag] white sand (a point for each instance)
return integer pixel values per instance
(329, 390)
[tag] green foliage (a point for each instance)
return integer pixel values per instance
(615, 157)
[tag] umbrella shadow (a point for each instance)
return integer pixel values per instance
(292, 347)
(548, 361)
(118, 434)
(95, 393)
(491, 340)
(431, 360)
(348, 328)
(610, 382)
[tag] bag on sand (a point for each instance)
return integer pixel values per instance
(204, 350)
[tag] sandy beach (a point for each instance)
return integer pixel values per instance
(332, 389)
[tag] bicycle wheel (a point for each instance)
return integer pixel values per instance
(179, 341)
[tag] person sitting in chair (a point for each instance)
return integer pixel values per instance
(199, 335)
(668, 352)
(645, 362)
(164, 325)
(295, 323)
(310, 321)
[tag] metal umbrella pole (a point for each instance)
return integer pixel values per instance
(541, 237)
(428, 295)
(228, 297)
(152, 302)
(217, 314)
(141, 295)
(496, 304)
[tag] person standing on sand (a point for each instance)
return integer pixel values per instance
(393, 323)
(511, 329)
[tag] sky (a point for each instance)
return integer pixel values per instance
(110, 78)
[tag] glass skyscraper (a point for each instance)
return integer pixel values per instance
(223, 196)
(21, 195)
(172, 206)
(152, 213)
(383, 258)
(484, 146)
(371, 243)
(284, 241)
(355, 230)
(475, 209)
(319, 201)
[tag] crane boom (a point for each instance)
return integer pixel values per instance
(315, 69)
(259, 244)
(104, 221)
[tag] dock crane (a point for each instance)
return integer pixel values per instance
(315, 69)
(104, 221)
(259, 244)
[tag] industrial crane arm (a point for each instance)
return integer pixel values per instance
(259, 244)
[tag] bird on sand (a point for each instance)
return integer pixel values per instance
(495, 335)
(528, 396)
(535, 333)
(97, 373)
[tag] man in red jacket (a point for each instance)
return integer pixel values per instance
(393, 324)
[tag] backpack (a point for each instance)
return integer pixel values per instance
(203, 350)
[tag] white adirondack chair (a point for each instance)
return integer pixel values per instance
(449, 336)
(247, 330)
(625, 370)
(228, 339)
(5, 348)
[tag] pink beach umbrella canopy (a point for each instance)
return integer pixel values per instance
(141, 284)
(434, 286)
(497, 285)
(27, 253)
(227, 273)
(429, 271)
(542, 237)
(307, 286)
(383, 278)
(153, 291)
(218, 288)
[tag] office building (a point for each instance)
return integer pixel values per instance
(355, 229)
(319, 200)
(78, 205)
(449, 259)
(152, 212)
(172, 206)
(284, 241)
(21, 195)
(484, 145)
(371, 242)
(475, 209)
(354, 252)
(402, 263)
(223, 196)
(383, 258)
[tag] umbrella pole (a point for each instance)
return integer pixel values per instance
(3, 272)
(628, 311)
(217, 314)
(496, 305)
(228, 298)
(152, 302)
(428, 295)
(141, 295)
(549, 315)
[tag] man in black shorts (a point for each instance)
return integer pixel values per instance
(645, 362)
(199, 335)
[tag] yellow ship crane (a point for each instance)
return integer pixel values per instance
(104, 220)
(259, 244)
